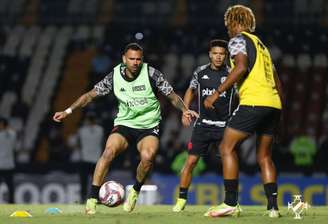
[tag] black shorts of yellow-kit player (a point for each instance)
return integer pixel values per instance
(255, 119)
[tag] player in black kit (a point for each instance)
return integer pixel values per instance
(209, 127)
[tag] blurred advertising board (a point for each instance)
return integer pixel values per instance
(60, 187)
(209, 189)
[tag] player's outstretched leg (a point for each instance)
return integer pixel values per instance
(185, 181)
(147, 147)
(114, 145)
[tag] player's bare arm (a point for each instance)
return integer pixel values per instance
(178, 103)
(82, 101)
(187, 99)
(235, 74)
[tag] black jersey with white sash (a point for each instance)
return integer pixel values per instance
(206, 80)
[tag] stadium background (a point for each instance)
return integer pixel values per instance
(53, 51)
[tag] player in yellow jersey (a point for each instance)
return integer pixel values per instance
(258, 111)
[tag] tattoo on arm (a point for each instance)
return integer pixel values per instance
(84, 100)
(177, 102)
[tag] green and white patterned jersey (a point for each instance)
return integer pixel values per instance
(138, 105)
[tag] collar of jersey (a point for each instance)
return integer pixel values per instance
(125, 77)
(221, 68)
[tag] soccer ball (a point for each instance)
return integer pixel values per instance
(111, 194)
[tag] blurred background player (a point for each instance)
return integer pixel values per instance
(7, 157)
(91, 140)
(258, 111)
(135, 85)
(210, 126)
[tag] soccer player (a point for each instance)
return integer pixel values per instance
(258, 111)
(8, 139)
(210, 126)
(91, 142)
(135, 85)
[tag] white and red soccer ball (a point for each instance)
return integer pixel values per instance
(111, 194)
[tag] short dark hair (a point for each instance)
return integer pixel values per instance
(218, 43)
(132, 46)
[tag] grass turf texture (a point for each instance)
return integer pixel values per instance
(73, 214)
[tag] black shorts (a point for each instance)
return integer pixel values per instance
(202, 138)
(255, 119)
(133, 135)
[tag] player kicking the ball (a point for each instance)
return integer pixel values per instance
(210, 126)
(135, 85)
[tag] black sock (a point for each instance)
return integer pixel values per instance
(183, 193)
(231, 192)
(271, 190)
(94, 192)
(137, 185)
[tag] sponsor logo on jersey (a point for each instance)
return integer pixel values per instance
(136, 102)
(207, 92)
(122, 89)
(138, 88)
(205, 77)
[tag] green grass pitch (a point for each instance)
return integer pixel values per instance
(73, 214)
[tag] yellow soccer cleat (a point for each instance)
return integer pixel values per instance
(180, 205)
(223, 210)
(90, 208)
(272, 213)
(131, 201)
